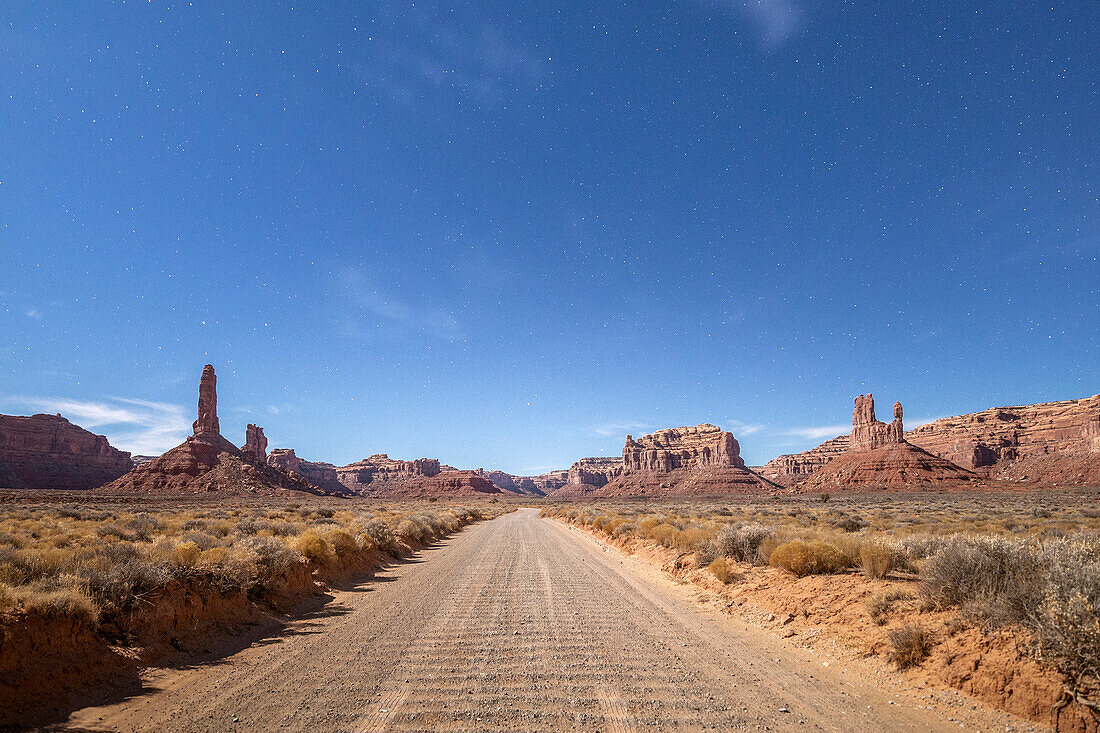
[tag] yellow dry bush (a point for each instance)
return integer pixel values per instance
(664, 534)
(315, 548)
(722, 570)
(647, 525)
(692, 538)
(808, 558)
(876, 559)
(186, 554)
(342, 542)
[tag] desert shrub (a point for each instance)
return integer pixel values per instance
(813, 557)
(315, 548)
(990, 577)
(879, 604)
(60, 602)
(625, 529)
(722, 570)
(1066, 624)
(706, 553)
(691, 538)
(742, 541)
(825, 497)
(379, 533)
(186, 554)
(664, 534)
(876, 559)
(271, 559)
(343, 544)
(408, 532)
(647, 525)
(849, 523)
(202, 540)
(909, 646)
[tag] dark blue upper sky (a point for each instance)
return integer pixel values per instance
(506, 234)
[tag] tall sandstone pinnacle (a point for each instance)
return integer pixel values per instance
(255, 444)
(207, 421)
(869, 433)
(207, 462)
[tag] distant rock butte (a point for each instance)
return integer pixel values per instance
(1045, 443)
(317, 473)
(878, 456)
(587, 475)
(688, 461)
(49, 452)
(384, 477)
(207, 462)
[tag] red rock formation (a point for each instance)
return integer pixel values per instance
(384, 471)
(411, 485)
(869, 433)
(787, 469)
(207, 462)
(317, 473)
(49, 452)
(689, 461)
(686, 447)
(594, 472)
(255, 444)
(878, 456)
(207, 421)
(992, 440)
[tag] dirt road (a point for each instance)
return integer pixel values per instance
(520, 624)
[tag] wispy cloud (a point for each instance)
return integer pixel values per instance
(428, 49)
(619, 428)
(741, 428)
(776, 20)
(139, 426)
(376, 312)
(817, 432)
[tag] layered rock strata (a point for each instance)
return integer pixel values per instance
(315, 472)
(703, 460)
(878, 456)
(49, 452)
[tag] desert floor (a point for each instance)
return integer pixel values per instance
(522, 623)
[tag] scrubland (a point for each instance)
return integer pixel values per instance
(90, 587)
(996, 594)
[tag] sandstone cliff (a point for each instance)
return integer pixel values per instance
(1037, 441)
(1045, 443)
(49, 452)
(317, 473)
(703, 460)
(207, 462)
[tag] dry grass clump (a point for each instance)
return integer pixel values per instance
(876, 559)
(721, 569)
(88, 563)
(802, 558)
(879, 604)
(909, 646)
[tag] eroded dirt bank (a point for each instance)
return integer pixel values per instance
(523, 624)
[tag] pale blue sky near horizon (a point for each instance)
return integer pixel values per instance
(507, 235)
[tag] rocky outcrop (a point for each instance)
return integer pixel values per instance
(382, 472)
(1051, 443)
(207, 421)
(992, 440)
(207, 462)
(49, 452)
(255, 444)
(787, 469)
(595, 472)
(686, 447)
(703, 460)
(317, 473)
(869, 433)
(879, 457)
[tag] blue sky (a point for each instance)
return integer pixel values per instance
(506, 234)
